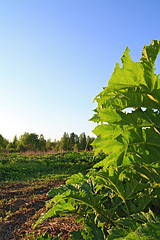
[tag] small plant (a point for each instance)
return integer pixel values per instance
(46, 237)
(119, 197)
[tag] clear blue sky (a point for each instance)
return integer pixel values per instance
(56, 55)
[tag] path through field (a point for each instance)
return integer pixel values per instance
(20, 206)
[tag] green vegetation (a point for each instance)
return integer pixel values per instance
(119, 197)
(60, 165)
(33, 142)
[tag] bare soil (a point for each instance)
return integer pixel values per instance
(21, 205)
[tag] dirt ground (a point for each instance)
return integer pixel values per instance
(20, 206)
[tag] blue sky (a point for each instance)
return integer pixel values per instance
(56, 55)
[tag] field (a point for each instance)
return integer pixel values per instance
(22, 167)
(25, 181)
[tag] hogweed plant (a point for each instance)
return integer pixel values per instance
(119, 197)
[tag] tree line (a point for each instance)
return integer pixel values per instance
(34, 142)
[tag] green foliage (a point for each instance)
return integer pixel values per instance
(46, 237)
(141, 226)
(130, 137)
(3, 143)
(65, 142)
(30, 141)
(82, 141)
(42, 143)
(73, 140)
(119, 197)
(15, 166)
(33, 142)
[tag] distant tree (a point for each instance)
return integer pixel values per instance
(73, 139)
(42, 143)
(15, 140)
(3, 143)
(76, 147)
(33, 142)
(54, 144)
(82, 141)
(49, 145)
(12, 146)
(76, 139)
(64, 143)
(29, 141)
(88, 144)
(57, 146)
(20, 147)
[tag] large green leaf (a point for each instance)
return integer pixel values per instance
(125, 137)
(148, 59)
(142, 226)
